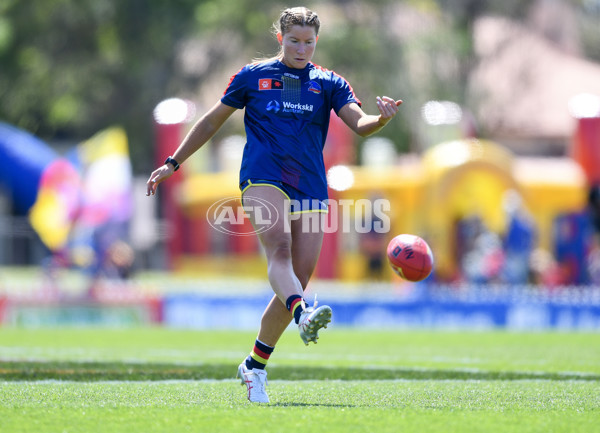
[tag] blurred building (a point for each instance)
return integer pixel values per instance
(523, 83)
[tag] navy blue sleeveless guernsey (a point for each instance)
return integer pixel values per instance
(286, 121)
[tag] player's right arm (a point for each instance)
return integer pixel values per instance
(365, 124)
(201, 132)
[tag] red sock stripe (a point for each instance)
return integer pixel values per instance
(295, 304)
(257, 358)
(261, 353)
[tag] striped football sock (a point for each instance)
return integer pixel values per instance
(259, 356)
(295, 305)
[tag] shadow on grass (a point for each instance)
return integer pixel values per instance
(292, 404)
(101, 371)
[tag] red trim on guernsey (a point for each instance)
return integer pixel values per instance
(231, 80)
(335, 73)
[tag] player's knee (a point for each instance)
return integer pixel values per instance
(281, 250)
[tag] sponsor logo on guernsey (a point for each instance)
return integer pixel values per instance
(287, 74)
(289, 107)
(314, 87)
(273, 106)
(270, 84)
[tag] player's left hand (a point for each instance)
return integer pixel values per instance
(388, 108)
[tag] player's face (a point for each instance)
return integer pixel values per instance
(298, 46)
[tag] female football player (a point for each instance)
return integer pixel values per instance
(287, 102)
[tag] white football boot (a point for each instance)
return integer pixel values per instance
(256, 381)
(311, 320)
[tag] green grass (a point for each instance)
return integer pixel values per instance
(336, 406)
(158, 380)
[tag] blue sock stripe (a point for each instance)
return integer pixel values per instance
(262, 346)
(294, 305)
(251, 362)
(290, 301)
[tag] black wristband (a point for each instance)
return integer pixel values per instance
(171, 161)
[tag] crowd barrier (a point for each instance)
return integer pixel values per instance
(440, 307)
(196, 306)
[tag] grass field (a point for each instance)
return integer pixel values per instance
(158, 380)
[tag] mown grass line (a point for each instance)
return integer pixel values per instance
(103, 371)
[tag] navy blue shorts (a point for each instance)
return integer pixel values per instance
(299, 202)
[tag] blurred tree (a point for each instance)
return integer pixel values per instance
(589, 25)
(72, 67)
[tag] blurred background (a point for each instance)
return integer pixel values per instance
(494, 159)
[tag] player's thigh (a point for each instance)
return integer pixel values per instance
(267, 209)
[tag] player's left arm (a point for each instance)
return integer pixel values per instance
(366, 124)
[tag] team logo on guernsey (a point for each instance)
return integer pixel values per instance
(270, 84)
(314, 87)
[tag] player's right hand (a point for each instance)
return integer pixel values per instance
(161, 173)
